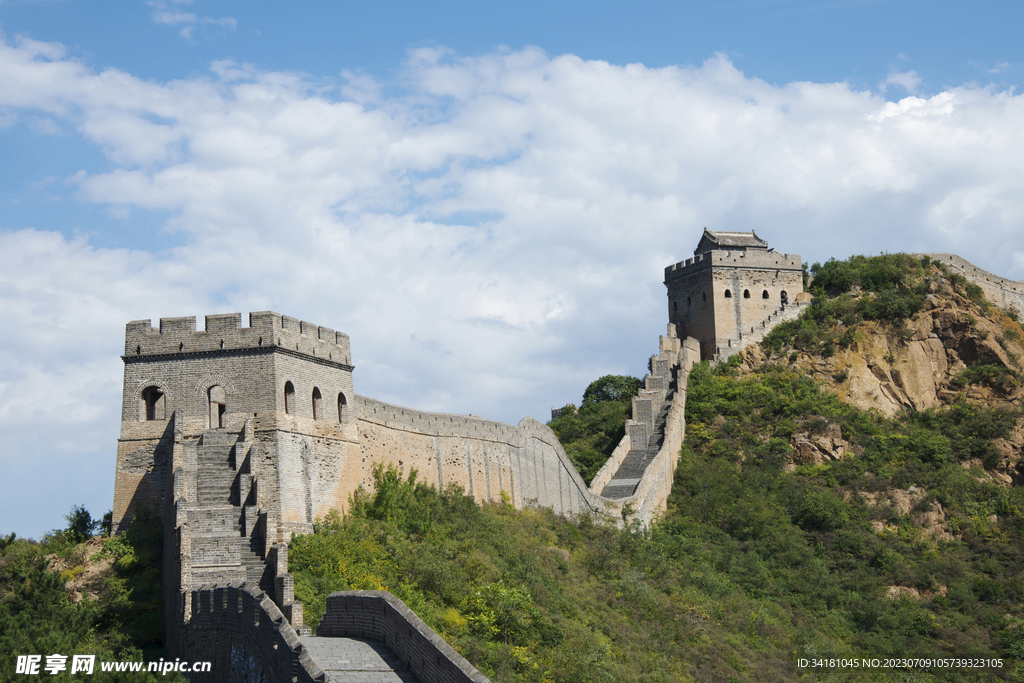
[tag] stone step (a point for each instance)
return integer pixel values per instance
(220, 470)
(213, 495)
(216, 456)
(632, 465)
(219, 437)
(215, 521)
(620, 488)
(760, 330)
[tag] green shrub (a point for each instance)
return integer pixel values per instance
(998, 377)
(589, 435)
(823, 510)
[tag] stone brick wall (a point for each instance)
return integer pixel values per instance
(1008, 294)
(292, 466)
(715, 295)
(224, 332)
(379, 615)
(243, 633)
(303, 459)
(484, 457)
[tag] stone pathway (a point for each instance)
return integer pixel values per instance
(354, 660)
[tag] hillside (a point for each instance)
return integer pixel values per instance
(73, 593)
(926, 339)
(847, 489)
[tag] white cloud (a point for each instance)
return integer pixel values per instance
(491, 231)
(908, 80)
(45, 126)
(173, 17)
(164, 13)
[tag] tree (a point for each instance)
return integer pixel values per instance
(80, 524)
(619, 388)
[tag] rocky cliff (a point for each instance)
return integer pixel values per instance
(958, 347)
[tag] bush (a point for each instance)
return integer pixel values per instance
(81, 525)
(823, 510)
(996, 376)
(893, 290)
(590, 435)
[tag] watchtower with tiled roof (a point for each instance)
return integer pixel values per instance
(734, 283)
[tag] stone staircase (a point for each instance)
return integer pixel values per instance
(731, 347)
(624, 482)
(224, 545)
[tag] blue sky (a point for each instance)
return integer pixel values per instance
(482, 194)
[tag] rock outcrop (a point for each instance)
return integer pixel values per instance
(891, 369)
(951, 350)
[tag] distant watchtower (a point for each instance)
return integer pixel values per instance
(733, 284)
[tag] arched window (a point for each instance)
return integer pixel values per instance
(289, 398)
(152, 403)
(688, 301)
(218, 401)
(746, 293)
(764, 294)
(675, 305)
(728, 294)
(316, 404)
(703, 296)
(342, 402)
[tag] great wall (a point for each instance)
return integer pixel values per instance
(240, 437)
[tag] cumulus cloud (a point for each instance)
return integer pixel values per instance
(491, 231)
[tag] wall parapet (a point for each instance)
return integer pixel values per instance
(760, 260)
(245, 636)
(224, 332)
(543, 476)
(1001, 291)
(435, 424)
(611, 466)
(379, 615)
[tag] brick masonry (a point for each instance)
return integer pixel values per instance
(244, 635)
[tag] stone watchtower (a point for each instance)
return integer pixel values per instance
(262, 408)
(734, 286)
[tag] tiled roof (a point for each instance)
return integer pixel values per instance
(734, 239)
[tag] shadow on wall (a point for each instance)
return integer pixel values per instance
(151, 464)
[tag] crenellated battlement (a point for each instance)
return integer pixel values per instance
(761, 260)
(224, 332)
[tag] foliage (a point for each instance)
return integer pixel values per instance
(998, 377)
(894, 288)
(37, 617)
(752, 562)
(589, 435)
(611, 388)
(804, 539)
(525, 595)
(133, 603)
(81, 525)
